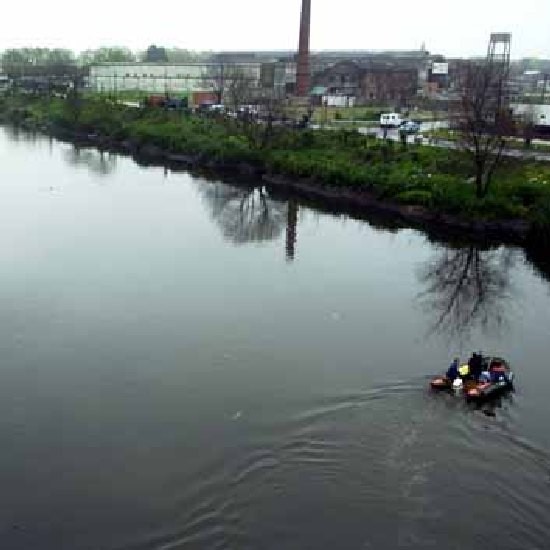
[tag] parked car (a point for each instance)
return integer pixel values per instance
(410, 127)
(176, 103)
(217, 108)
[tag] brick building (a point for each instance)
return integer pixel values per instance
(369, 82)
(383, 84)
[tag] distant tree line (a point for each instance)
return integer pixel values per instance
(17, 61)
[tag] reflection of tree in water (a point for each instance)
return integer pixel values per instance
(245, 214)
(17, 134)
(98, 162)
(291, 229)
(467, 287)
(538, 254)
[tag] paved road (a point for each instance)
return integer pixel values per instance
(393, 135)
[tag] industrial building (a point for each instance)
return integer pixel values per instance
(193, 80)
(367, 82)
(362, 75)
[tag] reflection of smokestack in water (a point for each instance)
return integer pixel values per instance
(302, 70)
(291, 229)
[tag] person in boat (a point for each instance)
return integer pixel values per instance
(452, 371)
(464, 372)
(485, 377)
(476, 365)
(498, 372)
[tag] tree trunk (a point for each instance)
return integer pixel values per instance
(480, 172)
(479, 184)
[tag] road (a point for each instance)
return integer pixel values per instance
(393, 134)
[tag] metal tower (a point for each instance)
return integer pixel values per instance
(498, 66)
(499, 49)
(302, 70)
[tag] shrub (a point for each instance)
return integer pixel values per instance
(529, 193)
(426, 176)
(416, 196)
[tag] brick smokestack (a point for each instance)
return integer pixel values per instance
(302, 70)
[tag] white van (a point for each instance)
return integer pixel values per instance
(390, 120)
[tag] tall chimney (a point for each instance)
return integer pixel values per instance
(302, 70)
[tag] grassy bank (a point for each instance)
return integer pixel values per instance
(437, 179)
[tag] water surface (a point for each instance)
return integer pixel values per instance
(188, 363)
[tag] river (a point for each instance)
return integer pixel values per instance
(192, 364)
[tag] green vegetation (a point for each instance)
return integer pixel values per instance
(438, 179)
(17, 60)
(126, 95)
(130, 95)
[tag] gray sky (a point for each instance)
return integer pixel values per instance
(450, 27)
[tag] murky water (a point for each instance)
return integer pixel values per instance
(190, 364)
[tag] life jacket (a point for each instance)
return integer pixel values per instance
(464, 370)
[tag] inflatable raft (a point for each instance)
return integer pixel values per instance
(496, 378)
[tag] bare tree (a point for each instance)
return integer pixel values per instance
(244, 214)
(483, 118)
(239, 87)
(258, 124)
(528, 125)
(272, 108)
(467, 287)
(214, 80)
(231, 83)
(257, 107)
(98, 162)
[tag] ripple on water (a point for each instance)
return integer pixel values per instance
(403, 467)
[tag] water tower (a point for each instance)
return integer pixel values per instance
(498, 51)
(498, 65)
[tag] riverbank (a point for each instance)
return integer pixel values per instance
(421, 185)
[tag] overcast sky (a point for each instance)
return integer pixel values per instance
(450, 27)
